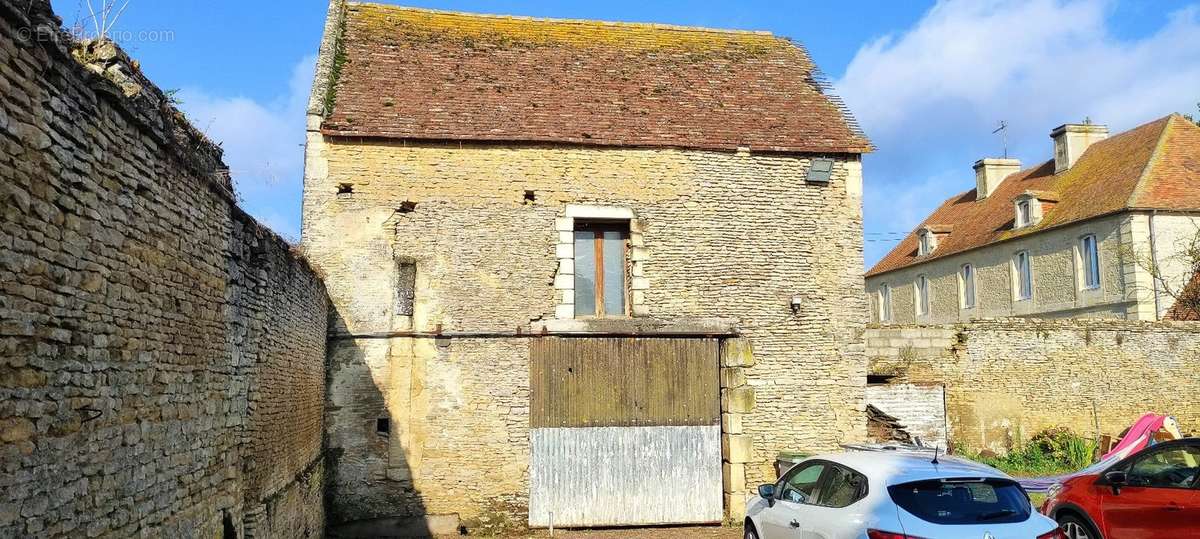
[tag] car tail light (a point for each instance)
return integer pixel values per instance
(880, 534)
(1056, 534)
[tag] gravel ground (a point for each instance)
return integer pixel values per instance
(687, 532)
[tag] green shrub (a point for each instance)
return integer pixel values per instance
(1049, 452)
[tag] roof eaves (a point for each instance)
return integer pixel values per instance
(1024, 233)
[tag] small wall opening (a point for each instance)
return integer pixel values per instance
(406, 207)
(406, 284)
(530, 197)
(873, 379)
(383, 426)
(345, 188)
(228, 530)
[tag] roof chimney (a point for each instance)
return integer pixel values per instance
(990, 172)
(1070, 140)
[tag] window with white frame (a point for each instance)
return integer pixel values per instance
(1024, 275)
(927, 242)
(966, 279)
(885, 303)
(1089, 258)
(922, 286)
(1024, 213)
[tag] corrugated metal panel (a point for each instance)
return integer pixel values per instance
(601, 382)
(622, 476)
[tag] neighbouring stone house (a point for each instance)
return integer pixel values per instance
(556, 242)
(1102, 230)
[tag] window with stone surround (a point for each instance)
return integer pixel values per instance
(885, 303)
(1024, 213)
(601, 255)
(966, 282)
(922, 286)
(1023, 273)
(1089, 262)
(601, 268)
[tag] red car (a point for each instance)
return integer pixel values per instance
(1151, 494)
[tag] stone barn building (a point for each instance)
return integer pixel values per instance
(572, 261)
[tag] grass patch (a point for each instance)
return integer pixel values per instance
(1050, 452)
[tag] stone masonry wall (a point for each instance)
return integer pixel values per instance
(724, 235)
(161, 354)
(1007, 379)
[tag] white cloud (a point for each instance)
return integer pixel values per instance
(263, 143)
(930, 95)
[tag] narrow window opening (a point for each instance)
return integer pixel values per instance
(228, 530)
(1090, 256)
(345, 188)
(383, 426)
(406, 207)
(885, 303)
(1024, 276)
(601, 268)
(922, 295)
(875, 379)
(968, 286)
(530, 197)
(406, 284)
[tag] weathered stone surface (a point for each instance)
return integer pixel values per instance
(724, 237)
(737, 353)
(737, 448)
(161, 354)
(738, 400)
(1007, 379)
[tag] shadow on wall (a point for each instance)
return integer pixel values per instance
(369, 487)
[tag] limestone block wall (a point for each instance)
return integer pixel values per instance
(161, 354)
(724, 235)
(1007, 379)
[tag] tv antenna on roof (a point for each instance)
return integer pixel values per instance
(935, 455)
(1003, 130)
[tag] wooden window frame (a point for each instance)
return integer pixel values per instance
(599, 227)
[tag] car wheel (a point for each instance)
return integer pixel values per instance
(751, 533)
(1075, 528)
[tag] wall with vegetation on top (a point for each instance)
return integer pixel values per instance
(1007, 379)
(161, 353)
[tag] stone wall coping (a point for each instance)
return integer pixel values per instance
(1033, 323)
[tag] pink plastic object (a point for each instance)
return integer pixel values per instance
(1138, 436)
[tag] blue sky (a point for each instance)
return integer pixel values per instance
(927, 80)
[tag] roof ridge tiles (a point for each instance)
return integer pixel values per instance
(565, 20)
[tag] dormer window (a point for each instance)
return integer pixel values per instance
(1024, 213)
(928, 236)
(928, 242)
(1030, 206)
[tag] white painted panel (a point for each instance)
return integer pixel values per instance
(920, 408)
(625, 476)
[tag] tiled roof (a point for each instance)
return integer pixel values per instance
(1187, 305)
(1153, 166)
(433, 75)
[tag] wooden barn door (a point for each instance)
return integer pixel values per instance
(624, 431)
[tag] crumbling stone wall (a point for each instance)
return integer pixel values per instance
(726, 235)
(1007, 379)
(161, 354)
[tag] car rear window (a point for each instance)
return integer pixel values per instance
(963, 501)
